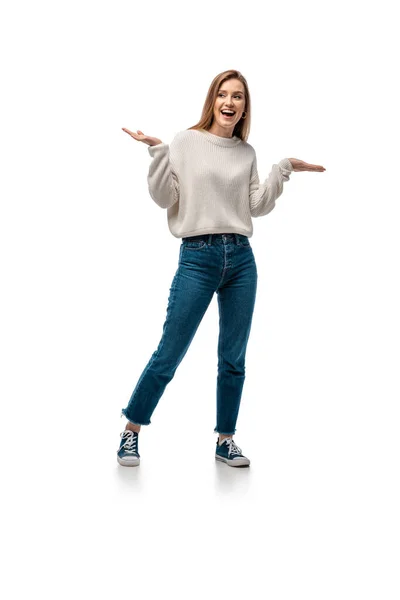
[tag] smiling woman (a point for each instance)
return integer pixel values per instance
(207, 179)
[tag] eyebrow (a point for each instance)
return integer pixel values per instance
(236, 92)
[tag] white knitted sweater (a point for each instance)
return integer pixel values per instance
(210, 184)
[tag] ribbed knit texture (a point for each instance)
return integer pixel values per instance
(210, 184)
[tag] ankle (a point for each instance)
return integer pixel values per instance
(221, 438)
(132, 427)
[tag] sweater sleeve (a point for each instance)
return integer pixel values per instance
(263, 195)
(162, 180)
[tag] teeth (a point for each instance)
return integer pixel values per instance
(227, 112)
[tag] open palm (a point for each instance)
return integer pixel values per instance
(141, 137)
(300, 165)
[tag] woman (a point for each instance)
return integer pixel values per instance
(207, 180)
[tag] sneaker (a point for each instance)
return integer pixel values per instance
(231, 454)
(128, 452)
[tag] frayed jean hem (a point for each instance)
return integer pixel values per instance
(224, 432)
(133, 422)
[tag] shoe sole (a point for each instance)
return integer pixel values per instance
(237, 462)
(130, 463)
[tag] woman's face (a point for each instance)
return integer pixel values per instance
(230, 97)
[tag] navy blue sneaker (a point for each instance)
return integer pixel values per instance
(231, 454)
(128, 453)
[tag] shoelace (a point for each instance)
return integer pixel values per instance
(130, 443)
(233, 448)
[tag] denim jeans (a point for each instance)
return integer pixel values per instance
(223, 263)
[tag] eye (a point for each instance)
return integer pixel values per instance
(237, 96)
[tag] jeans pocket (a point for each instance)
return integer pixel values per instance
(188, 245)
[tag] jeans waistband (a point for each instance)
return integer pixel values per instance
(210, 237)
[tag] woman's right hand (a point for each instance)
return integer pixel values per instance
(140, 137)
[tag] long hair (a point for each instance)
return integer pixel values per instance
(242, 127)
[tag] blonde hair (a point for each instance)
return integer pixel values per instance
(242, 127)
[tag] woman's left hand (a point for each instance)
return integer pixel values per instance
(300, 165)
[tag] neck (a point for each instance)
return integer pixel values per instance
(220, 131)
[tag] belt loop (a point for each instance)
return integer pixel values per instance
(237, 239)
(209, 239)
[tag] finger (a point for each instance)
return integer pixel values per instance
(134, 135)
(316, 168)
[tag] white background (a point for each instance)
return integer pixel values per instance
(87, 260)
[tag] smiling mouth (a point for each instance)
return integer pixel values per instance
(228, 116)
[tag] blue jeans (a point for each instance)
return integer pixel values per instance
(223, 263)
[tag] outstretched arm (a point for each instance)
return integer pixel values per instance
(162, 180)
(263, 195)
